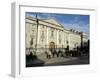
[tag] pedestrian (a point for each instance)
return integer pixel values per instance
(49, 54)
(52, 52)
(46, 54)
(57, 52)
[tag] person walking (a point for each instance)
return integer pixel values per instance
(49, 54)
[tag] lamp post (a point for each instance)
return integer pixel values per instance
(37, 22)
(81, 40)
(81, 43)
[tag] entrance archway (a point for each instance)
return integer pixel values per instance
(51, 45)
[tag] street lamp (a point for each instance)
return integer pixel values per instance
(81, 33)
(37, 22)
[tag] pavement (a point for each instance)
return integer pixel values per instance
(54, 61)
(62, 60)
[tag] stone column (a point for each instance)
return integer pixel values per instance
(69, 40)
(47, 37)
(63, 37)
(57, 39)
(38, 36)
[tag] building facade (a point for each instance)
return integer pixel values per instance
(42, 34)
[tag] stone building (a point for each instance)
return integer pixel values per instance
(48, 33)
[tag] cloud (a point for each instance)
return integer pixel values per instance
(31, 15)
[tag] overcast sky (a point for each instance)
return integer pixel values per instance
(70, 21)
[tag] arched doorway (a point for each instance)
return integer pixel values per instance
(51, 45)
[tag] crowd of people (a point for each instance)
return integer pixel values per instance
(51, 53)
(65, 52)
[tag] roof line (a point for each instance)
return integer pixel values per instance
(46, 22)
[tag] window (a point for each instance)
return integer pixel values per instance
(34, 26)
(52, 33)
(33, 34)
(31, 42)
(42, 36)
(43, 26)
(59, 39)
(67, 42)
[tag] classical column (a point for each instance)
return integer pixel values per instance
(47, 37)
(57, 38)
(63, 37)
(38, 36)
(69, 40)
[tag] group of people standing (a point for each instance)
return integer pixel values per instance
(51, 53)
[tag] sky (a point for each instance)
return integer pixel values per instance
(69, 21)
